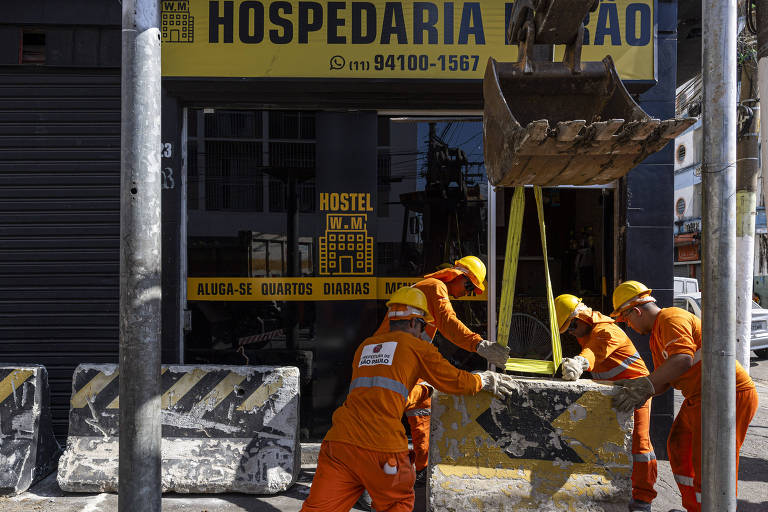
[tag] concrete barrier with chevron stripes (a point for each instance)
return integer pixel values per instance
(28, 450)
(551, 446)
(225, 429)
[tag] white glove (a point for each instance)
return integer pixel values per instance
(573, 367)
(633, 393)
(500, 384)
(493, 352)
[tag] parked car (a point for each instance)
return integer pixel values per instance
(759, 339)
(685, 285)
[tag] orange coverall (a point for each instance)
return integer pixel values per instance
(455, 331)
(613, 356)
(366, 447)
(676, 331)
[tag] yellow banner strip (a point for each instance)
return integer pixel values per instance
(299, 288)
(12, 382)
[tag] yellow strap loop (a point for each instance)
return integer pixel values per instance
(511, 257)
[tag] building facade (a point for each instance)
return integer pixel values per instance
(300, 188)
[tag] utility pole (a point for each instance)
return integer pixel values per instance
(762, 80)
(140, 188)
(719, 256)
(747, 170)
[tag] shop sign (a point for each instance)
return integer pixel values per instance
(298, 288)
(688, 253)
(345, 248)
(378, 38)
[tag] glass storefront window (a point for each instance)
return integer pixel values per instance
(378, 205)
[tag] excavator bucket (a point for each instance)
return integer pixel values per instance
(562, 123)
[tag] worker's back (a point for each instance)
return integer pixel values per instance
(384, 370)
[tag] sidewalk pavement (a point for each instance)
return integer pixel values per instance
(753, 482)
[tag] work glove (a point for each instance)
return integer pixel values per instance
(633, 393)
(500, 384)
(573, 367)
(430, 388)
(493, 352)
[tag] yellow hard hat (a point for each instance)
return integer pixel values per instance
(626, 294)
(408, 302)
(565, 305)
(475, 270)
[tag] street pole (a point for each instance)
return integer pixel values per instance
(762, 80)
(140, 188)
(718, 381)
(491, 265)
(747, 170)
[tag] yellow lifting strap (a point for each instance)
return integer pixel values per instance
(511, 256)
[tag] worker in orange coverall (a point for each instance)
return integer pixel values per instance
(676, 349)
(609, 354)
(467, 275)
(366, 447)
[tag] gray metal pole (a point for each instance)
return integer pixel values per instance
(747, 171)
(719, 255)
(491, 265)
(140, 188)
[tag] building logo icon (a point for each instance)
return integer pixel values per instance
(176, 23)
(346, 248)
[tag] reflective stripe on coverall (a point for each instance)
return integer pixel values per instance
(453, 330)
(613, 356)
(367, 430)
(676, 331)
(418, 410)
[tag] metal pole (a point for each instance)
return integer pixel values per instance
(746, 208)
(719, 256)
(139, 469)
(762, 80)
(491, 264)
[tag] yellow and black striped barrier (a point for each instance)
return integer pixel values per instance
(225, 429)
(552, 445)
(28, 450)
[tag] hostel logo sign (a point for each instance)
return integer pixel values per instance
(176, 23)
(345, 248)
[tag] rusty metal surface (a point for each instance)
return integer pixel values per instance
(552, 127)
(562, 123)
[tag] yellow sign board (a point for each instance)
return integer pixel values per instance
(298, 288)
(377, 39)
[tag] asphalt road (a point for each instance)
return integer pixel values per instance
(753, 482)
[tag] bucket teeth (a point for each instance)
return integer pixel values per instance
(523, 150)
(578, 153)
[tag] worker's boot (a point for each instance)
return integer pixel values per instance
(639, 506)
(421, 478)
(365, 502)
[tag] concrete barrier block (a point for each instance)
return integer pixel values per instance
(28, 449)
(551, 446)
(225, 429)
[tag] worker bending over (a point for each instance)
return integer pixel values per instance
(366, 447)
(466, 275)
(609, 354)
(676, 349)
